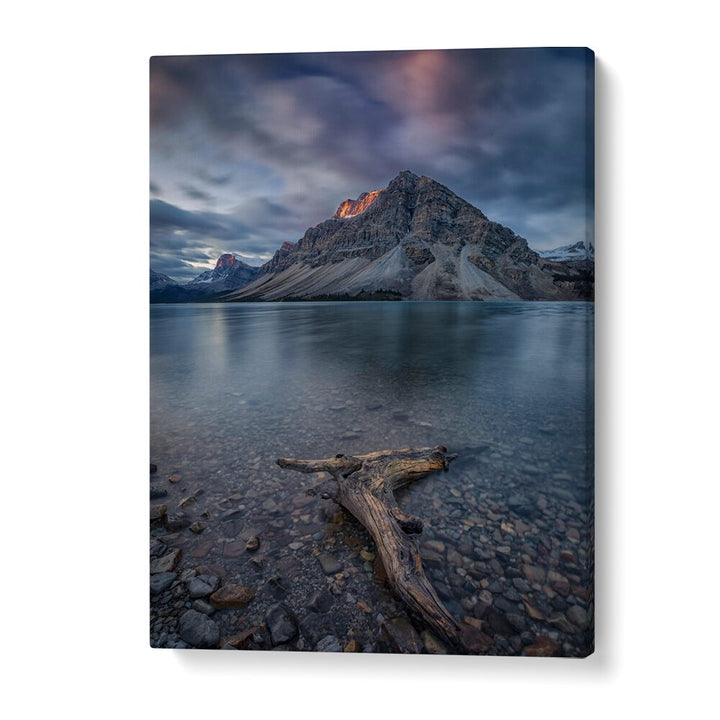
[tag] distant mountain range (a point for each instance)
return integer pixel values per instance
(414, 240)
(229, 273)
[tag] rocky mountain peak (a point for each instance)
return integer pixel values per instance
(351, 208)
(404, 180)
(418, 240)
(226, 260)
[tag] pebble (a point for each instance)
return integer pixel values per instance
(204, 607)
(542, 646)
(166, 563)
(252, 544)
(161, 581)
(202, 586)
(232, 595)
(534, 573)
(329, 563)
(577, 616)
(320, 602)
(521, 585)
(402, 636)
(432, 645)
(436, 546)
(157, 512)
(329, 644)
(281, 625)
(198, 630)
(176, 521)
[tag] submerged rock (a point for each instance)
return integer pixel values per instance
(402, 636)
(329, 563)
(329, 644)
(161, 581)
(198, 630)
(166, 563)
(232, 595)
(281, 625)
(202, 586)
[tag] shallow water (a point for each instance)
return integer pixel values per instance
(506, 385)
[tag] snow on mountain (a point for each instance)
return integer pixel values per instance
(577, 251)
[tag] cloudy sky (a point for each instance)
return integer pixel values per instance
(247, 151)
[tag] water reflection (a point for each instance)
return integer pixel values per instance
(508, 386)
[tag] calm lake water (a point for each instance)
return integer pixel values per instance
(506, 385)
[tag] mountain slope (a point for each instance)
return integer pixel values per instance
(413, 240)
(229, 273)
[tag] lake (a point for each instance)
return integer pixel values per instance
(508, 386)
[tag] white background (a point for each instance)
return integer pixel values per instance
(74, 619)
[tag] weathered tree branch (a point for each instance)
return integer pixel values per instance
(365, 488)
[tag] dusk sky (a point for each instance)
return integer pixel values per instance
(248, 151)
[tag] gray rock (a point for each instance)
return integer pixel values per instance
(316, 626)
(203, 585)
(198, 630)
(166, 563)
(520, 504)
(329, 563)
(577, 616)
(402, 636)
(320, 602)
(281, 624)
(176, 521)
(161, 581)
(517, 621)
(329, 644)
(204, 607)
(433, 646)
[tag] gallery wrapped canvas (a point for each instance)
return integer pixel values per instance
(371, 340)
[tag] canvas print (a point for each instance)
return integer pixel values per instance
(371, 352)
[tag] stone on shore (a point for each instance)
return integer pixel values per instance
(329, 644)
(542, 646)
(198, 630)
(166, 563)
(402, 636)
(161, 581)
(281, 625)
(232, 595)
(329, 563)
(202, 586)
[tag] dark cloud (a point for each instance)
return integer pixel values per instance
(260, 147)
(193, 192)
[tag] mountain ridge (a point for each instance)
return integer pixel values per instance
(417, 240)
(412, 240)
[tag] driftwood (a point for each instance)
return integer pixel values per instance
(365, 485)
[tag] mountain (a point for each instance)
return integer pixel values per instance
(229, 273)
(414, 240)
(569, 253)
(158, 281)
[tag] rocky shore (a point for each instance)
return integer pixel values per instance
(270, 569)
